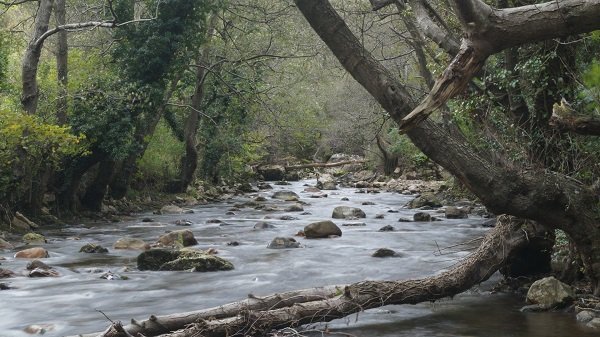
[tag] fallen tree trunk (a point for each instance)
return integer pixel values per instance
(255, 316)
(325, 165)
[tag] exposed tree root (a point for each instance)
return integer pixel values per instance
(256, 316)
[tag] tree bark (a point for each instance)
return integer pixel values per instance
(189, 162)
(259, 315)
(62, 54)
(31, 59)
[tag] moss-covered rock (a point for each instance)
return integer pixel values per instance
(34, 238)
(93, 248)
(197, 262)
(193, 260)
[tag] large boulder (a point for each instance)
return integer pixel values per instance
(32, 253)
(453, 212)
(282, 243)
(192, 260)
(549, 293)
(272, 172)
(345, 212)
(285, 196)
(322, 229)
(178, 238)
(131, 244)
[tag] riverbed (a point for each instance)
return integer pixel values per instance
(78, 300)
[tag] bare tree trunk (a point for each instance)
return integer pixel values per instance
(189, 162)
(313, 165)
(61, 63)
(390, 160)
(259, 315)
(31, 59)
(94, 194)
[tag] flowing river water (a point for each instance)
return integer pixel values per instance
(74, 302)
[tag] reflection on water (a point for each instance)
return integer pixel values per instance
(72, 302)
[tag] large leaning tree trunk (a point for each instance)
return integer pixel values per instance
(259, 315)
(552, 199)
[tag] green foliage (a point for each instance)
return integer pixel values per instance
(406, 151)
(105, 114)
(161, 160)
(147, 52)
(27, 147)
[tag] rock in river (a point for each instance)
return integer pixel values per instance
(322, 229)
(93, 248)
(282, 243)
(32, 253)
(453, 212)
(285, 196)
(384, 252)
(34, 238)
(192, 260)
(549, 293)
(422, 216)
(179, 238)
(345, 212)
(131, 244)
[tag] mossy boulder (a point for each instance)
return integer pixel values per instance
(93, 248)
(34, 238)
(192, 260)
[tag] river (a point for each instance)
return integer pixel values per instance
(76, 301)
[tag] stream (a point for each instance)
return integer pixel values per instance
(75, 302)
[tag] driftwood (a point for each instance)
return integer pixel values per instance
(259, 315)
(325, 165)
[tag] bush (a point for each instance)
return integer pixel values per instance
(29, 147)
